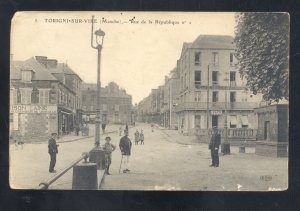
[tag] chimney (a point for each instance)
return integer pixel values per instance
(42, 60)
(51, 63)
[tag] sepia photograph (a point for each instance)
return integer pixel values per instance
(149, 101)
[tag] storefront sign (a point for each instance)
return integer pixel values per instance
(217, 112)
(33, 109)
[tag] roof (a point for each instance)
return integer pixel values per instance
(40, 72)
(111, 90)
(63, 68)
(213, 42)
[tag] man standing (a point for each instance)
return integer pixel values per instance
(125, 147)
(52, 150)
(214, 144)
(108, 149)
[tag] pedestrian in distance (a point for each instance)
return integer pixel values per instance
(152, 127)
(142, 137)
(214, 145)
(120, 131)
(52, 150)
(125, 147)
(108, 149)
(126, 127)
(136, 137)
(103, 126)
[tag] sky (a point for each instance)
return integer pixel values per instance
(136, 54)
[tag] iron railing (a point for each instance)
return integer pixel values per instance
(44, 185)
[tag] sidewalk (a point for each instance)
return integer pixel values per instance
(72, 137)
(175, 136)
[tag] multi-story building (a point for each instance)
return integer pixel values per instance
(149, 109)
(69, 101)
(170, 99)
(115, 104)
(212, 92)
(38, 100)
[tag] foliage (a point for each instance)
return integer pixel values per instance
(262, 41)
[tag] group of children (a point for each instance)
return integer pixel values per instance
(139, 137)
(109, 148)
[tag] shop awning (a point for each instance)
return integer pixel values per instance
(233, 120)
(244, 120)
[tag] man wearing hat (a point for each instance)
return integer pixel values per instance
(52, 150)
(108, 149)
(214, 144)
(125, 147)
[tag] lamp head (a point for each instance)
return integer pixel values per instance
(100, 33)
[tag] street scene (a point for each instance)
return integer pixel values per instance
(164, 162)
(149, 101)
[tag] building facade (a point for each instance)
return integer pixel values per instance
(69, 94)
(212, 93)
(115, 104)
(36, 101)
(170, 99)
(206, 90)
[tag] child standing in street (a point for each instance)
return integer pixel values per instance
(136, 137)
(108, 149)
(142, 137)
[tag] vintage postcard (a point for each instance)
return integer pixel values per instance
(176, 101)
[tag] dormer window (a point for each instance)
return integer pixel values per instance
(26, 75)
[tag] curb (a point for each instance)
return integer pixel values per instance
(101, 174)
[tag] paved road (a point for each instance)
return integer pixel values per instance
(164, 164)
(161, 164)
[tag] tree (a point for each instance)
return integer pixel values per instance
(262, 41)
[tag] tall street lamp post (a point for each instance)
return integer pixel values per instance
(99, 34)
(97, 154)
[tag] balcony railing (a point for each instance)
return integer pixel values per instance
(215, 106)
(241, 133)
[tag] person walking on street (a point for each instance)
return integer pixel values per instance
(103, 127)
(136, 137)
(214, 144)
(142, 137)
(125, 147)
(108, 149)
(52, 150)
(126, 127)
(152, 127)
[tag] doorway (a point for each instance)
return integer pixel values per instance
(267, 130)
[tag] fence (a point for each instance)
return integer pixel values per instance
(235, 136)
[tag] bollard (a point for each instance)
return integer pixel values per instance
(242, 149)
(97, 156)
(85, 176)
